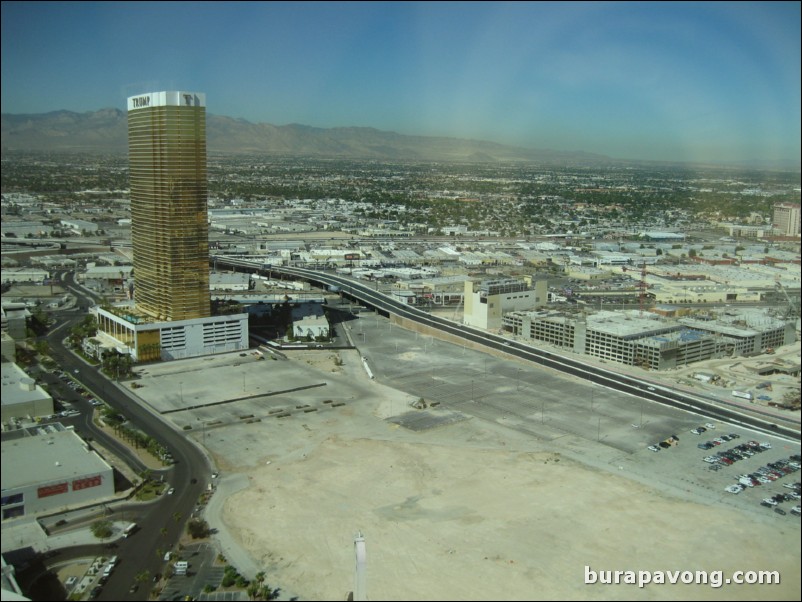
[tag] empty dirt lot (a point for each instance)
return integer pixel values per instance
(472, 510)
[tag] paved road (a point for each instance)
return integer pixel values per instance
(162, 523)
(700, 404)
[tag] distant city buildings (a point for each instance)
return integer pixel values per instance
(645, 340)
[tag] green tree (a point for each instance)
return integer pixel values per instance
(142, 576)
(102, 529)
(198, 528)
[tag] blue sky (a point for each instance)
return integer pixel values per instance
(666, 81)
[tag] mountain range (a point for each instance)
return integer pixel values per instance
(105, 131)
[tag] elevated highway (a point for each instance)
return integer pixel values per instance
(697, 404)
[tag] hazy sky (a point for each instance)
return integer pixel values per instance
(673, 81)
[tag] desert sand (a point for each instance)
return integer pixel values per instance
(448, 522)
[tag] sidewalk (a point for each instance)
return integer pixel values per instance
(226, 543)
(30, 533)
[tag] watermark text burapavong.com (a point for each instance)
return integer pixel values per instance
(712, 578)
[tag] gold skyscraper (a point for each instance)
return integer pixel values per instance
(170, 233)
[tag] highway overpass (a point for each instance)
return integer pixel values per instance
(705, 406)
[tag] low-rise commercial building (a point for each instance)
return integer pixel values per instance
(145, 339)
(21, 396)
(50, 468)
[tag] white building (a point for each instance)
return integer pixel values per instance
(148, 340)
(15, 320)
(80, 226)
(21, 396)
(229, 281)
(50, 468)
(309, 321)
(25, 275)
(314, 327)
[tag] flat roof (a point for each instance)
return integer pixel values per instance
(628, 324)
(47, 453)
(18, 387)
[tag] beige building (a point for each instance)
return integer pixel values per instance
(787, 218)
(630, 338)
(487, 301)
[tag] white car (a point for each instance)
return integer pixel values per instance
(654, 448)
(710, 425)
(734, 489)
(171, 491)
(770, 501)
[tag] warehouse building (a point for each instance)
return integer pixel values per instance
(49, 468)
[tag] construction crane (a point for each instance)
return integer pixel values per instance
(793, 306)
(642, 286)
